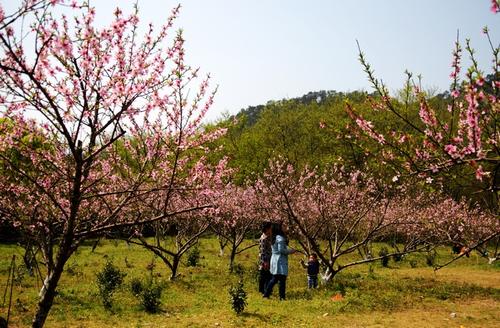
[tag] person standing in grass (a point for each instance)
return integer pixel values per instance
(279, 260)
(312, 267)
(265, 256)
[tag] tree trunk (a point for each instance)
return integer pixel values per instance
(329, 274)
(96, 243)
(175, 265)
(231, 259)
(222, 245)
(47, 293)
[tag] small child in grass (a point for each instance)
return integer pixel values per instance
(312, 267)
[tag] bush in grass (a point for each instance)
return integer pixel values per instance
(108, 280)
(193, 258)
(238, 297)
(430, 258)
(397, 257)
(151, 296)
(136, 286)
(385, 259)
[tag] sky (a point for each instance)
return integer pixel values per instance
(261, 50)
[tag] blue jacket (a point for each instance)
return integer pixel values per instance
(279, 257)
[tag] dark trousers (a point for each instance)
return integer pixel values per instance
(264, 278)
(312, 281)
(274, 280)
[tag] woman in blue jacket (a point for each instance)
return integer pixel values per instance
(279, 260)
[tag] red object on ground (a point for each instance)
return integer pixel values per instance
(337, 297)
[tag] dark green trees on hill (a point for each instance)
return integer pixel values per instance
(315, 130)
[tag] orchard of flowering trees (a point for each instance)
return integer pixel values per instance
(101, 135)
(336, 213)
(97, 132)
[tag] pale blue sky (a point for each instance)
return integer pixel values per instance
(260, 50)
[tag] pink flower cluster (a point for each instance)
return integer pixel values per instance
(495, 6)
(463, 134)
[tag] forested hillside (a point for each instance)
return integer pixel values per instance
(315, 130)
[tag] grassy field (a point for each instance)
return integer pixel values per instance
(465, 294)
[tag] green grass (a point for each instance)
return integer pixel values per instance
(397, 296)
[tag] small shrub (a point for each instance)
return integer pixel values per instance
(238, 297)
(413, 263)
(385, 259)
(430, 258)
(193, 258)
(108, 280)
(397, 257)
(136, 287)
(151, 296)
